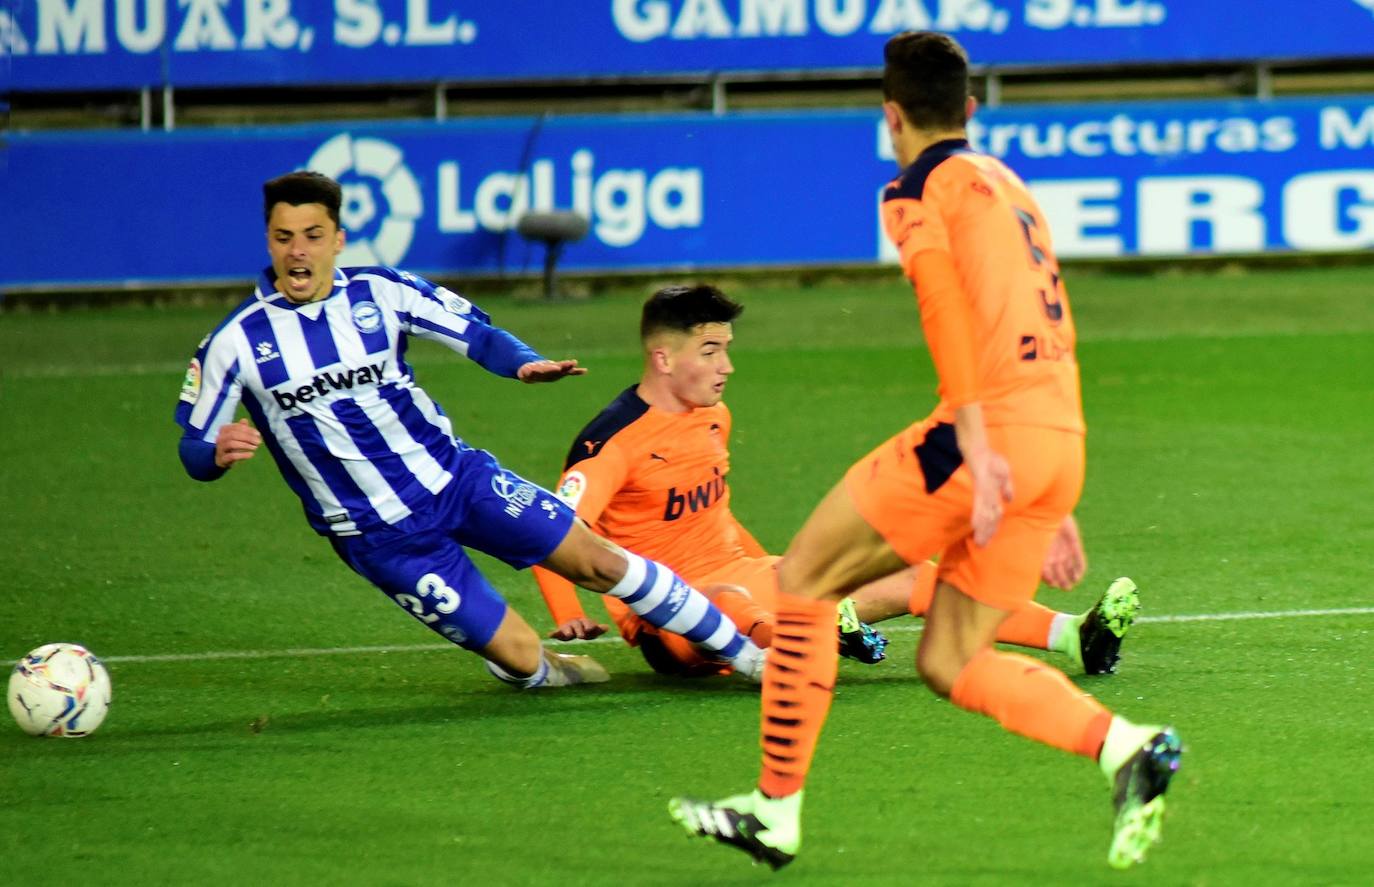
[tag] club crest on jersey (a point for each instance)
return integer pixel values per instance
(452, 302)
(266, 352)
(572, 488)
(190, 386)
(519, 494)
(367, 317)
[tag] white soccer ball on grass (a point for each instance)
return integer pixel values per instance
(59, 690)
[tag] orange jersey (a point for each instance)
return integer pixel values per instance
(655, 483)
(994, 310)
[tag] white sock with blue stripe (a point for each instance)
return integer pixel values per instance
(538, 679)
(656, 595)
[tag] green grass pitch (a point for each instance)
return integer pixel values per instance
(1230, 426)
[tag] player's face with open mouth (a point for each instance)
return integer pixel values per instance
(303, 241)
(701, 365)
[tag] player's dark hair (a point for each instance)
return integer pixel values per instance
(926, 74)
(302, 187)
(681, 308)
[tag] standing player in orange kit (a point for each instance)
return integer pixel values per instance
(985, 482)
(650, 473)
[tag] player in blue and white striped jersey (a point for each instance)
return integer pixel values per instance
(317, 358)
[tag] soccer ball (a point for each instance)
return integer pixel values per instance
(59, 690)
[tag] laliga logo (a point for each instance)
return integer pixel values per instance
(364, 166)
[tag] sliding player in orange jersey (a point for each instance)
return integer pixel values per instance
(649, 473)
(985, 482)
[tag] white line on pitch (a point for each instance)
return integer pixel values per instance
(280, 654)
(1281, 614)
(176, 368)
(906, 627)
(98, 370)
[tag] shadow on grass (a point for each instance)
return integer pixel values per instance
(425, 706)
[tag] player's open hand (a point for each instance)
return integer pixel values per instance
(991, 488)
(236, 442)
(1065, 562)
(549, 370)
(578, 629)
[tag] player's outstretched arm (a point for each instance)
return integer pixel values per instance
(549, 370)
(560, 596)
(588, 486)
(579, 629)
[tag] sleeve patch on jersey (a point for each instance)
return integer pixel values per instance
(572, 488)
(452, 302)
(190, 386)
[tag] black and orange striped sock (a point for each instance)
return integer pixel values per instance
(798, 683)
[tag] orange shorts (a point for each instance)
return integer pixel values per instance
(757, 575)
(915, 491)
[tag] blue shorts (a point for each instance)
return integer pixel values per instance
(421, 565)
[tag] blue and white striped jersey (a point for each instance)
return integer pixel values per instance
(327, 385)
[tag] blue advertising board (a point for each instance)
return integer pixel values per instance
(119, 44)
(681, 191)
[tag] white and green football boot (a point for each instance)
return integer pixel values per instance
(1094, 638)
(768, 829)
(1138, 786)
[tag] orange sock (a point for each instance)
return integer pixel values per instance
(1027, 696)
(798, 683)
(923, 589)
(753, 621)
(1027, 627)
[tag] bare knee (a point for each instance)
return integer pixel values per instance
(957, 629)
(794, 577)
(938, 668)
(805, 577)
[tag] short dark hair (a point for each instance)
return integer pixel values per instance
(301, 187)
(681, 308)
(927, 75)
